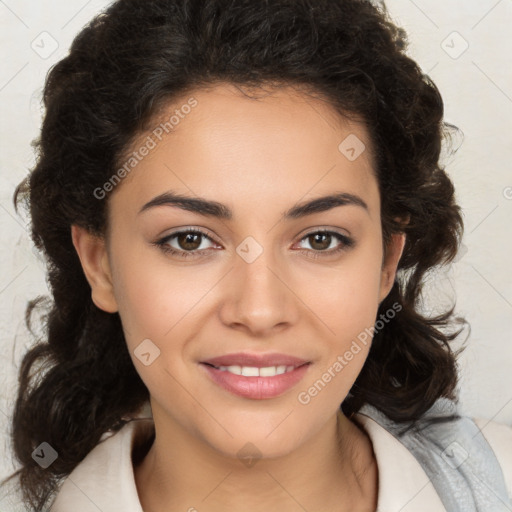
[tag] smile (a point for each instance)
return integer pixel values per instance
(255, 382)
(253, 371)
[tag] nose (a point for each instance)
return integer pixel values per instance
(259, 297)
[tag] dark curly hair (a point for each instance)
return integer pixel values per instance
(122, 69)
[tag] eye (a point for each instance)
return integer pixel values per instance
(186, 243)
(194, 242)
(326, 243)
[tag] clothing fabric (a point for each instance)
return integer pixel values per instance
(105, 481)
(455, 455)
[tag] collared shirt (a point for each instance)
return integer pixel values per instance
(104, 481)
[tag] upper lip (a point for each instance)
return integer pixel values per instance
(255, 360)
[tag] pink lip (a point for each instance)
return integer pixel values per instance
(256, 388)
(255, 360)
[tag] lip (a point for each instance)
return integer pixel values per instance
(256, 360)
(256, 388)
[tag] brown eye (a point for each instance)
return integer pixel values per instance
(189, 241)
(320, 241)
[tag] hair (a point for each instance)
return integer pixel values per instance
(78, 381)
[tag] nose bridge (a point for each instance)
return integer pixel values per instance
(258, 297)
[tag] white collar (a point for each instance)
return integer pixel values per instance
(403, 484)
(105, 480)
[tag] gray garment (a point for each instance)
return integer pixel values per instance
(455, 456)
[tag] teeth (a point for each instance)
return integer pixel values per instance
(252, 371)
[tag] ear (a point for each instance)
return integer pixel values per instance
(93, 256)
(389, 265)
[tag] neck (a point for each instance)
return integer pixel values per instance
(334, 471)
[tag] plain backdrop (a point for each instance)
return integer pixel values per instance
(463, 45)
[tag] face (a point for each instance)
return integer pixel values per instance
(267, 284)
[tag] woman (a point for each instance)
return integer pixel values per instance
(238, 202)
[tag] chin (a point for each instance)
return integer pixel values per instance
(267, 437)
(252, 445)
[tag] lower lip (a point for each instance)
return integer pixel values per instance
(256, 388)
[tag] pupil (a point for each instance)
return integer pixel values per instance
(188, 241)
(321, 235)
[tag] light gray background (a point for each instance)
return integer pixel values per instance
(476, 84)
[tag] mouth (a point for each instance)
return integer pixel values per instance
(254, 371)
(256, 377)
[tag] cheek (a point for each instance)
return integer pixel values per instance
(154, 297)
(157, 298)
(346, 303)
(345, 297)
(159, 303)
(345, 344)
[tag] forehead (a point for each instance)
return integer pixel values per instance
(276, 146)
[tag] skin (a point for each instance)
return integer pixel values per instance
(259, 158)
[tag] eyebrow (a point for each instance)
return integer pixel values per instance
(218, 210)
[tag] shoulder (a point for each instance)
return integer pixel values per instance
(468, 460)
(403, 483)
(104, 479)
(499, 437)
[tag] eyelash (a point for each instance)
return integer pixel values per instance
(346, 243)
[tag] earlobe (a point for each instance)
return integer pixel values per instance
(394, 252)
(93, 256)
